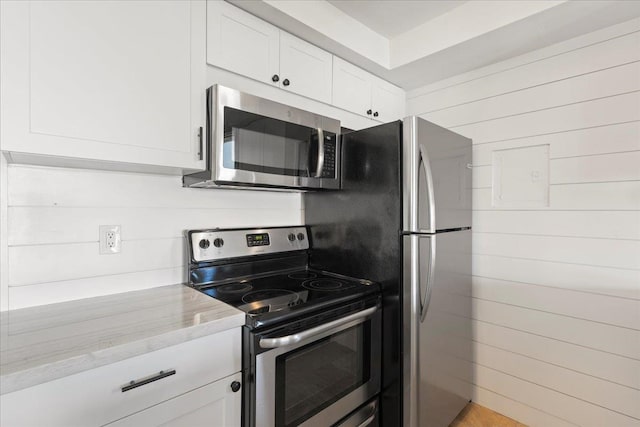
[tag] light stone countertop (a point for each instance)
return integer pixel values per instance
(40, 344)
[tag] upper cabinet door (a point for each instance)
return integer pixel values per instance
(305, 69)
(238, 41)
(105, 80)
(351, 87)
(387, 101)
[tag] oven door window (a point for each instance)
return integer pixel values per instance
(256, 143)
(313, 377)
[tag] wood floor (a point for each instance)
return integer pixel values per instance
(475, 415)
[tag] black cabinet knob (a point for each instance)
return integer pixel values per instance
(204, 243)
(291, 237)
(235, 386)
(369, 112)
(286, 82)
(375, 114)
(275, 78)
(218, 243)
(300, 236)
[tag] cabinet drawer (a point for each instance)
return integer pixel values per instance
(215, 404)
(95, 397)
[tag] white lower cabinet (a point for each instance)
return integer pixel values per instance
(203, 368)
(215, 404)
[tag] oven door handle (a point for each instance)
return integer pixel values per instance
(309, 333)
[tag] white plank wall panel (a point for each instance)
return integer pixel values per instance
(599, 364)
(521, 411)
(619, 137)
(595, 224)
(610, 51)
(598, 112)
(580, 170)
(595, 335)
(601, 84)
(561, 405)
(54, 215)
(585, 278)
(600, 196)
(556, 290)
(596, 168)
(65, 290)
(610, 310)
(585, 387)
(623, 254)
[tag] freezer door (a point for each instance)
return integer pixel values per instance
(437, 367)
(436, 178)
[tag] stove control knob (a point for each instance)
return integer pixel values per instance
(235, 386)
(300, 236)
(218, 243)
(291, 237)
(204, 243)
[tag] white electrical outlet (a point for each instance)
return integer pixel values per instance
(110, 241)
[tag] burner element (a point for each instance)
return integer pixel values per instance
(304, 275)
(326, 285)
(235, 288)
(280, 296)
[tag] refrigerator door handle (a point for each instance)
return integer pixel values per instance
(430, 194)
(424, 306)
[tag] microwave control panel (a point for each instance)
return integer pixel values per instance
(329, 167)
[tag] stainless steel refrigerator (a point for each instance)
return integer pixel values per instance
(403, 218)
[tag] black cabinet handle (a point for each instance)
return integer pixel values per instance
(235, 386)
(137, 383)
(369, 112)
(375, 114)
(286, 82)
(275, 78)
(200, 147)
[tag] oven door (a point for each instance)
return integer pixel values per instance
(263, 143)
(317, 376)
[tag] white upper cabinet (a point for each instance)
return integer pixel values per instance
(387, 101)
(239, 42)
(351, 87)
(354, 89)
(105, 80)
(304, 68)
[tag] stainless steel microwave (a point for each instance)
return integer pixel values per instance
(255, 142)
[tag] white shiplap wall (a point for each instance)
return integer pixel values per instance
(53, 215)
(556, 290)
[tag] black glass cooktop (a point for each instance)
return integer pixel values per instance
(271, 299)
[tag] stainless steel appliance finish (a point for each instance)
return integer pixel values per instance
(212, 245)
(365, 416)
(311, 342)
(403, 219)
(334, 407)
(436, 178)
(258, 143)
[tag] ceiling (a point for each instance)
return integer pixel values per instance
(415, 43)
(391, 18)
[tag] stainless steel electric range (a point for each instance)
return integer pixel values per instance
(311, 342)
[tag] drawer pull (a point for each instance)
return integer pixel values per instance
(160, 375)
(235, 386)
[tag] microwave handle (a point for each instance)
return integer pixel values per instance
(320, 154)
